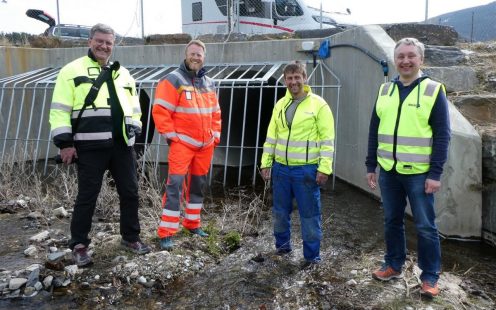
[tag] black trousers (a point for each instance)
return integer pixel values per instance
(120, 160)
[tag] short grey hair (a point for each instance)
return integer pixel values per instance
(411, 41)
(102, 28)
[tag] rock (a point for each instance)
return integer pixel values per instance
(120, 259)
(174, 38)
(16, 283)
(97, 277)
(3, 286)
(32, 267)
(426, 33)
(71, 270)
(134, 274)
(53, 249)
(85, 285)
(351, 282)
(33, 278)
(29, 291)
(66, 282)
(141, 280)
(38, 286)
(443, 56)
(31, 251)
(60, 212)
(354, 272)
(40, 236)
(14, 294)
(456, 78)
(55, 257)
(131, 265)
(47, 282)
(34, 215)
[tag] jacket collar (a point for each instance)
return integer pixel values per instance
(191, 73)
(306, 88)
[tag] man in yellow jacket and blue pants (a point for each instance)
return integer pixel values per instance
(297, 156)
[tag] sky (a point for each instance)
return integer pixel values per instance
(164, 16)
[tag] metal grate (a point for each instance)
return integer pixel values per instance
(247, 94)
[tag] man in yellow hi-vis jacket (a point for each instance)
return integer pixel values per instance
(297, 155)
(95, 117)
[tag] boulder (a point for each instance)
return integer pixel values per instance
(456, 78)
(426, 33)
(174, 38)
(443, 56)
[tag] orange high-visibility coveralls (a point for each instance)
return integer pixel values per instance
(187, 114)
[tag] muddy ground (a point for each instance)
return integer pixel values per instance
(220, 273)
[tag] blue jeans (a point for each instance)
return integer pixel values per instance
(297, 182)
(395, 188)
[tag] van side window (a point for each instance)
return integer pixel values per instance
(222, 5)
(197, 11)
(287, 8)
(254, 8)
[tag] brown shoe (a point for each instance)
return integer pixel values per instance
(80, 255)
(428, 289)
(386, 273)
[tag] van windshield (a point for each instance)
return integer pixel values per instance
(287, 8)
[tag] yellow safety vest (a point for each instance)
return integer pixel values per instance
(309, 139)
(404, 135)
(95, 126)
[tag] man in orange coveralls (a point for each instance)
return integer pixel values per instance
(187, 114)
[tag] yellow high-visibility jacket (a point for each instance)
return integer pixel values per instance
(309, 139)
(404, 134)
(95, 126)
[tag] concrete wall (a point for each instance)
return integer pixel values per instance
(458, 204)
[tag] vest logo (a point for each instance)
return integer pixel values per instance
(408, 167)
(187, 93)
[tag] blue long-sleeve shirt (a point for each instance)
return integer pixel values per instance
(438, 120)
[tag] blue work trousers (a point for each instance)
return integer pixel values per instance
(297, 182)
(395, 188)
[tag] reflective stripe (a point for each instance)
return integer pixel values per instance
(91, 113)
(136, 110)
(178, 75)
(413, 158)
(194, 206)
(268, 150)
(385, 154)
(130, 141)
(194, 142)
(430, 88)
(270, 140)
(326, 153)
(196, 110)
(297, 143)
(290, 155)
(405, 157)
(93, 136)
(169, 135)
(171, 213)
(169, 225)
(136, 123)
(192, 216)
(165, 104)
(128, 120)
(61, 130)
(408, 141)
(327, 143)
(60, 106)
(385, 89)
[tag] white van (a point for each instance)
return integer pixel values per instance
(255, 16)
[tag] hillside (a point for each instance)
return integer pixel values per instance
(472, 24)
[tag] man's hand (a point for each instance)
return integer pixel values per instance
(68, 155)
(432, 186)
(372, 180)
(265, 173)
(321, 178)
